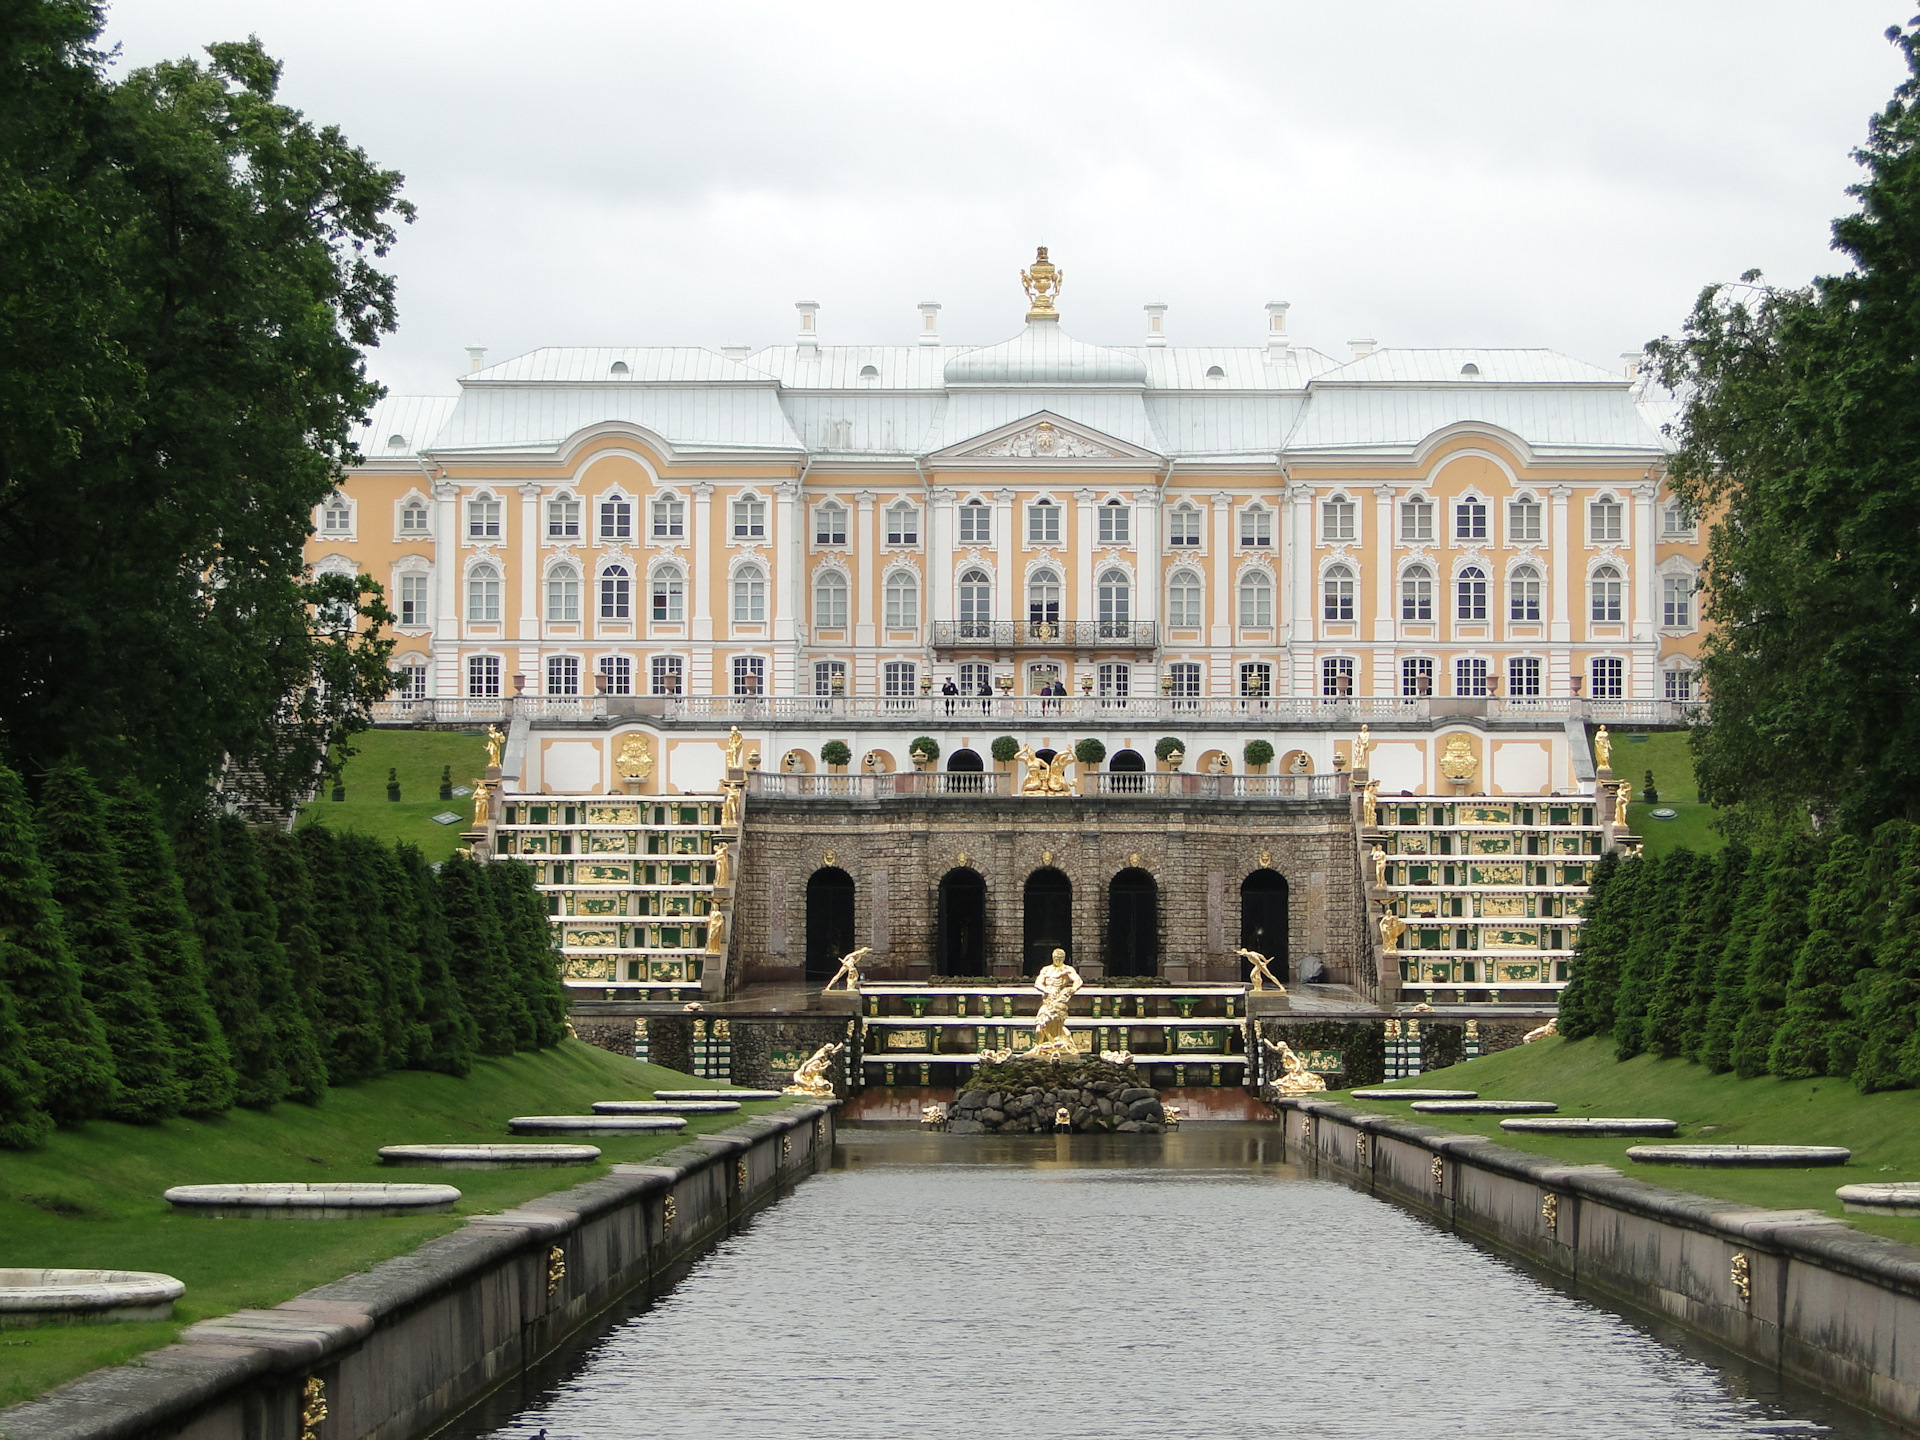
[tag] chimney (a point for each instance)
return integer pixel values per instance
(1277, 342)
(929, 322)
(737, 353)
(1156, 323)
(809, 340)
(1631, 360)
(476, 358)
(1363, 348)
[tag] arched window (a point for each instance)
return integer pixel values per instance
(1043, 598)
(1337, 590)
(749, 595)
(563, 595)
(413, 516)
(976, 605)
(1523, 594)
(619, 370)
(1256, 600)
(1183, 527)
(616, 593)
(1606, 593)
(1336, 519)
(830, 600)
(902, 601)
(1416, 520)
(668, 593)
(1184, 600)
(1472, 588)
(483, 594)
(1416, 593)
(903, 524)
(483, 517)
(1116, 602)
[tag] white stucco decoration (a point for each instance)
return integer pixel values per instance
(572, 767)
(1522, 769)
(1398, 765)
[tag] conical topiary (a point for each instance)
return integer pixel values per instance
(1886, 1000)
(1781, 929)
(535, 959)
(1721, 893)
(1640, 966)
(285, 866)
(1684, 881)
(84, 870)
(296, 1049)
(1586, 1005)
(480, 965)
(390, 943)
(451, 1036)
(233, 983)
(64, 1036)
(1729, 1002)
(1824, 966)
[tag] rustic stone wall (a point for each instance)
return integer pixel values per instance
(610, 1032)
(898, 850)
(759, 1040)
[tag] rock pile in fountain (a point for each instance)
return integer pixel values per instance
(1020, 1096)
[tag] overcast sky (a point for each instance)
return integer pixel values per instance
(1530, 173)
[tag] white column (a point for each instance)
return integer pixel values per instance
(780, 590)
(530, 562)
(1644, 587)
(941, 523)
(446, 609)
(866, 567)
(1220, 633)
(1081, 557)
(1006, 539)
(1383, 607)
(1146, 548)
(700, 567)
(1299, 582)
(1565, 563)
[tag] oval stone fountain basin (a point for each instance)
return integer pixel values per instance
(488, 1157)
(1485, 1107)
(1415, 1094)
(1590, 1125)
(593, 1124)
(1796, 1157)
(664, 1107)
(335, 1200)
(85, 1297)
(716, 1094)
(1900, 1197)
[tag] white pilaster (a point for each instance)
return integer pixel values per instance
(446, 608)
(1080, 557)
(1565, 563)
(866, 551)
(1006, 599)
(1220, 633)
(1146, 549)
(700, 567)
(941, 523)
(1383, 608)
(1298, 580)
(530, 563)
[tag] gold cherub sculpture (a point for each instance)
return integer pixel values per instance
(1298, 1080)
(814, 1078)
(849, 970)
(1058, 982)
(1261, 971)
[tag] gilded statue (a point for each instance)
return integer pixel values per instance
(716, 932)
(635, 760)
(1058, 982)
(1298, 1080)
(496, 742)
(1379, 866)
(1043, 777)
(1361, 747)
(730, 808)
(753, 759)
(736, 749)
(482, 803)
(1552, 1027)
(722, 865)
(849, 969)
(1261, 969)
(1459, 762)
(1370, 804)
(1042, 284)
(814, 1078)
(1392, 927)
(1623, 796)
(1603, 749)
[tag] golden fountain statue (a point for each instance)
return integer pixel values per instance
(849, 970)
(496, 742)
(482, 803)
(722, 865)
(1392, 927)
(1298, 1080)
(1360, 749)
(736, 749)
(814, 1078)
(1042, 284)
(1379, 857)
(1043, 777)
(1261, 972)
(716, 932)
(1058, 982)
(1370, 804)
(1603, 749)
(730, 808)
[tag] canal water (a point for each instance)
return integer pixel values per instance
(1178, 1287)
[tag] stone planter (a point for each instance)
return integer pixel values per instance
(85, 1297)
(489, 1157)
(295, 1201)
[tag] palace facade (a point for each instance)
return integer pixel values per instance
(1148, 520)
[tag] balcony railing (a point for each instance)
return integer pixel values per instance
(1222, 787)
(1044, 634)
(921, 783)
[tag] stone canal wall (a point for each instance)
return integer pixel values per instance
(1821, 1302)
(397, 1350)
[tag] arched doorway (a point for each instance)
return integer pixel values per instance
(965, 760)
(1049, 918)
(1263, 920)
(1128, 770)
(1133, 924)
(966, 768)
(829, 922)
(960, 934)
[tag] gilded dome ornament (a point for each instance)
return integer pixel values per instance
(1042, 284)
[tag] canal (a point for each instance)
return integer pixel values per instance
(1181, 1287)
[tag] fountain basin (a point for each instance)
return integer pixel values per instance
(1591, 1125)
(85, 1297)
(1485, 1107)
(488, 1157)
(1797, 1157)
(338, 1200)
(741, 1095)
(664, 1107)
(1415, 1094)
(1900, 1197)
(594, 1124)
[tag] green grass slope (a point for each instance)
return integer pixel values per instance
(91, 1197)
(1665, 753)
(1882, 1130)
(418, 756)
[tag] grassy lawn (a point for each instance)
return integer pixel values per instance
(1882, 1130)
(418, 756)
(91, 1197)
(1665, 753)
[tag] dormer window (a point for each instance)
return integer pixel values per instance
(903, 524)
(1469, 369)
(1214, 372)
(618, 370)
(869, 372)
(396, 442)
(1115, 523)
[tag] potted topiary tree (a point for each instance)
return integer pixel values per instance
(1089, 753)
(1170, 751)
(835, 756)
(1258, 755)
(923, 750)
(1004, 749)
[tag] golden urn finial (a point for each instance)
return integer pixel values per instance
(1042, 285)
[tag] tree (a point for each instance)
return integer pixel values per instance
(296, 1051)
(84, 869)
(285, 865)
(451, 1034)
(1687, 879)
(189, 289)
(1587, 1004)
(1886, 999)
(233, 984)
(352, 1033)
(1822, 968)
(535, 957)
(1729, 1001)
(1640, 962)
(1800, 438)
(392, 943)
(1778, 934)
(480, 965)
(1720, 895)
(65, 1040)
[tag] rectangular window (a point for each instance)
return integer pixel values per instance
(1676, 521)
(825, 672)
(1523, 595)
(336, 518)
(973, 675)
(483, 518)
(669, 518)
(1676, 601)
(1523, 677)
(1416, 595)
(666, 675)
(1115, 524)
(749, 597)
(1183, 601)
(976, 524)
(1523, 522)
(1469, 677)
(1336, 676)
(413, 599)
(1256, 527)
(483, 676)
(616, 674)
(1256, 680)
(1603, 522)
(616, 596)
(1115, 681)
(1338, 588)
(898, 677)
(563, 518)
(1679, 685)
(1416, 676)
(902, 603)
(749, 675)
(616, 519)
(413, 683)
(413, 518)
(1185, 675)
(563, 675)
(1416, 522)
(830, 525)
(1469, 520)
(903, 525)
(750, 519)
(668, 597)
(1336, 520)
(1183, 527)
(1043, 523)
(1608, 678)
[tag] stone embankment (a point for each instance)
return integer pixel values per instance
(1105, 1105)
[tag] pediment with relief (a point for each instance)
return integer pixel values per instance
(1047, 437)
